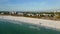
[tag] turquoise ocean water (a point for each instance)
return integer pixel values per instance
(16, 27)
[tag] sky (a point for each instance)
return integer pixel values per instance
(29, 5)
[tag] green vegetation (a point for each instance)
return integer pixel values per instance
(44, 15)
(57, 16)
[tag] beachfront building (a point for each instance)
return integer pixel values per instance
(13, 12)
(1, 13)
(4, 13)
(30, 14)
(19, 13)
(38, 15)
(48, 15)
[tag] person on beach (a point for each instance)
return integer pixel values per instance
(40, 23)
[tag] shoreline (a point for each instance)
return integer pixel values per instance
(42, 22)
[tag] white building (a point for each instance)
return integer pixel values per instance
(13, 12)
(30, 14)
(38, 14)
(2, 13)
(20, 14)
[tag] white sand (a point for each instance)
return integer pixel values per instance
(42, 22)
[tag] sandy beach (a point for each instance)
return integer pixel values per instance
(42, 22)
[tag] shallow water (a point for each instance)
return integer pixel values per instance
(16, 27)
